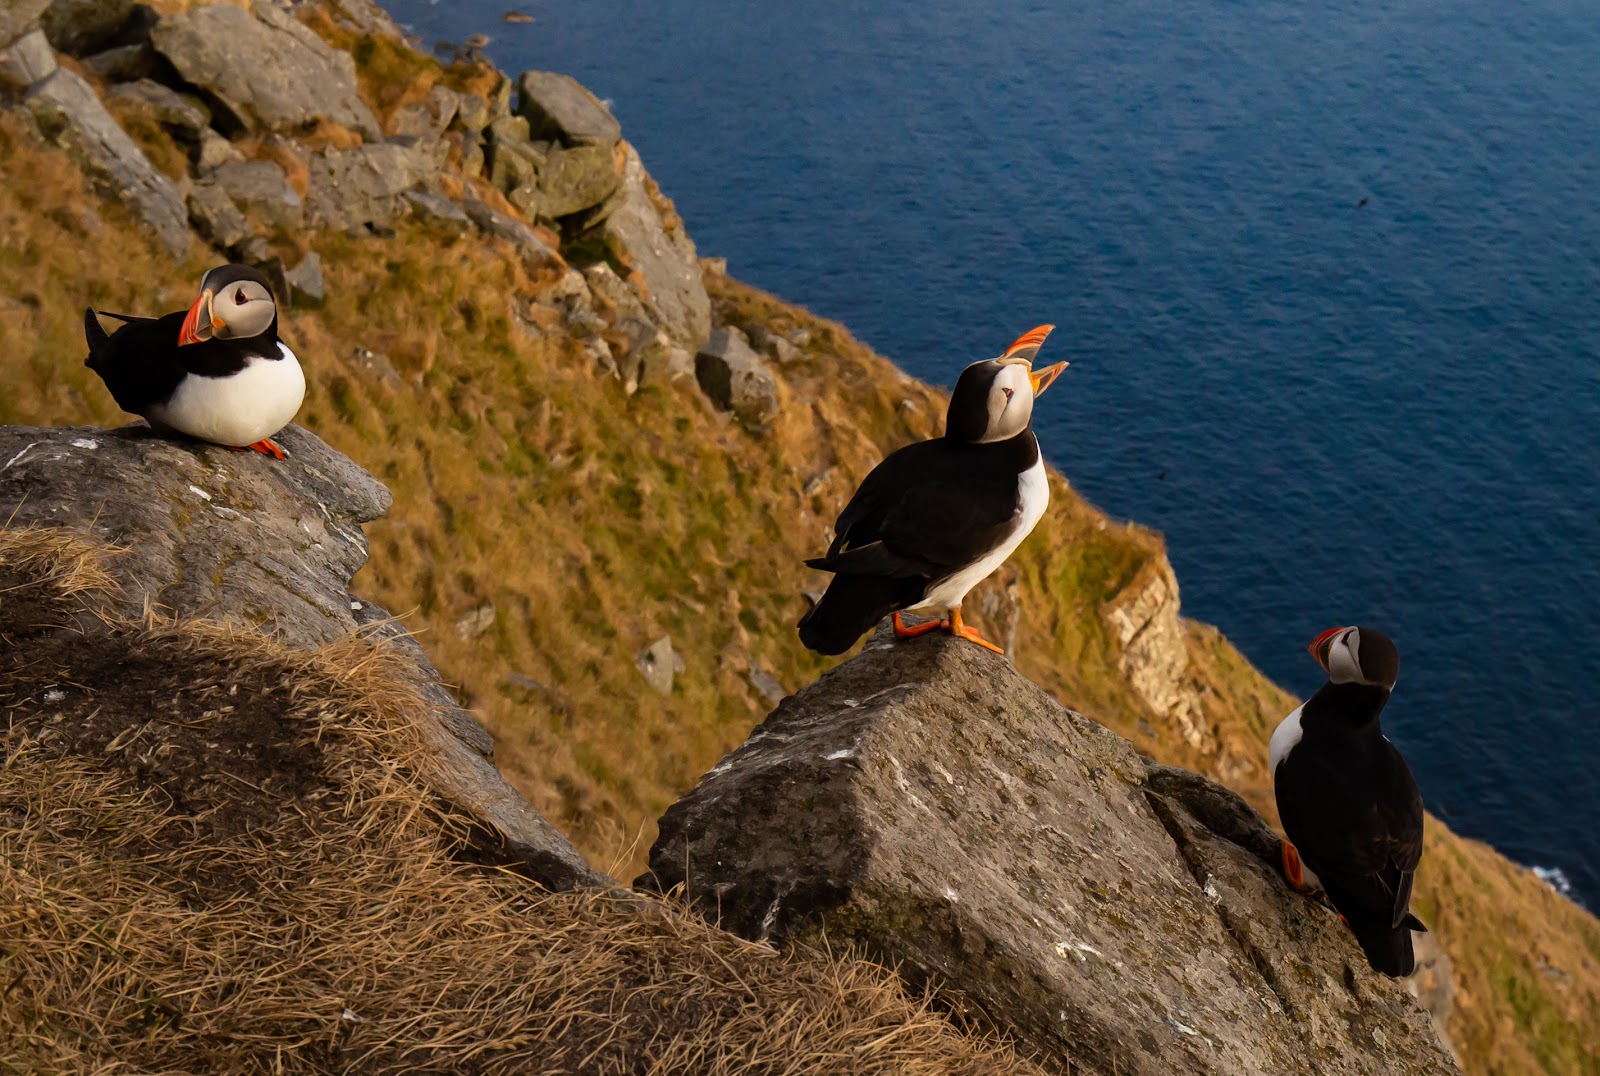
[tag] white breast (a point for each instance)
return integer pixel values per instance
(238, 410)
(1284, 737)
(1033, 497)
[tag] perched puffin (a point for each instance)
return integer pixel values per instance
(1347, 799)
(217, 372)
(936, 517)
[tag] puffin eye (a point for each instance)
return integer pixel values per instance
(1009, 393)
(238, 297)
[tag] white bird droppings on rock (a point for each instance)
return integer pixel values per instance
(55, 694)
(85, 442)
(842, 753)
(198, 492)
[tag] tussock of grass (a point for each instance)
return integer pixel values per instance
(217, 854)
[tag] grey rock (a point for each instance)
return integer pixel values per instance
(439, 212)
(735, 378)
(557, 106)
(766, 685)
(68, 113)
(575, 179)
(472, 114)
(925, 802)
(429, 117)
(261, 190)
(660, 664)
(603, 282)
(476, 622)
(265, 69)
(179, 114)
(352, 188)
(17, 16)
(79, 26)
(536, 254)
(215, 151)
(305, 280)
(209, 532)
(26, 60)
(123, 63)
(669, 279)
(215, 217)
(774, 344)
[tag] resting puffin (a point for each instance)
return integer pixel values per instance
(1347, 799)
(218, 372)
(936, 517)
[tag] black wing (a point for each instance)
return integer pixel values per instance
(1361, 835)
(926, 510)
(137, 362)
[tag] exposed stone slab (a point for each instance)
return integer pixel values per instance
(209, 532)
(926, 802)
(69, 113)
(264, 68)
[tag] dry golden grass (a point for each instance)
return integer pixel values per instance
(595, 522)
(218, 855)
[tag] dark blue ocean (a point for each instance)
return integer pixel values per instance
(1385, 413)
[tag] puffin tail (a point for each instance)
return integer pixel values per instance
(1388, 948)
(94, 334)
(849, 608)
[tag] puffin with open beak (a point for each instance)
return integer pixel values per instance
(1347, 799)
(937, 517)
(217, 372)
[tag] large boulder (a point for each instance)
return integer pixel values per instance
(659, 259)
(69, 113)
(210, 532)
(559, 108)
(261, 189)
(265, 69)
(352, 188)
(26, 60)
(736, 379)
(927, 803)
(80, 26)
(17, 18)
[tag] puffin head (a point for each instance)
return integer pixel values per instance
(993, 398)
(1357, 656)
(235, 303)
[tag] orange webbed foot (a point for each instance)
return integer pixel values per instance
(902, 631)
(956, 627)
(1293, 870)
(268, 447)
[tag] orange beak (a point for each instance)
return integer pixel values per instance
(1042, 379)
(199, 324)
(1321, 645)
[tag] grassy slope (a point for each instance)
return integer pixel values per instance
(595, 522)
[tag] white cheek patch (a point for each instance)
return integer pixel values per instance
(1344, 664)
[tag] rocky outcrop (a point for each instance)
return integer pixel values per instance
(1144, 621)
(17, 17)
(926, 802)
(69, 113)
(557, 107)
(736, 379)
(660, 260)
(361, 187)
(264, 68)
(205, 531)
(26, 60)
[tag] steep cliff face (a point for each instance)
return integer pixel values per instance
(513, 332)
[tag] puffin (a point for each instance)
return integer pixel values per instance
(1349, 805)
(216, 372)
(936, 517)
